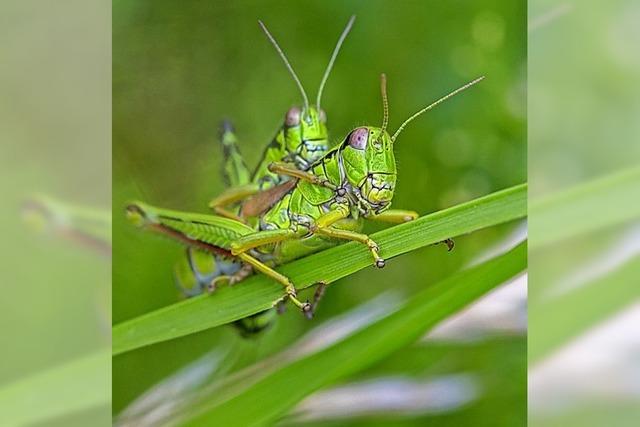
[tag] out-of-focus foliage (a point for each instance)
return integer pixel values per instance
(179, 67)
(584, 101)
(365, 348)
(55, 140)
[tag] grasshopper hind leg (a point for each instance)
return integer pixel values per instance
(237, 176)
(235, 170)
(292, 294)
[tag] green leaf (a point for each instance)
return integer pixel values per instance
(559, 319)
(603, 202)
(259, 405)
(75, 386)
(259, 293)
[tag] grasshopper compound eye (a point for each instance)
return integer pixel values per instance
(358, 138)
(293, 117)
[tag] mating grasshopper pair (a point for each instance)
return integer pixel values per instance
(295, 207)
(302, 139)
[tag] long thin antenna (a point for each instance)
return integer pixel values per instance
(286, 62)
(427, 108)
(385, 103)
(334, 55)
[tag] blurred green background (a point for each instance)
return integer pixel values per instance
(180, 67)
(583, 105)
(55, 140)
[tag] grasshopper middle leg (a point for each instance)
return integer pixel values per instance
(240, 247)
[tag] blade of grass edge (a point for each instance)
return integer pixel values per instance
(259, 293)
(260, 405)
(602, 202)
(71, 387)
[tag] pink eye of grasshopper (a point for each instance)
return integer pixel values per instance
(293, 117)
(359, 138)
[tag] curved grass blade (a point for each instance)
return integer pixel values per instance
(603, 202)
(259, 405)
(75, 386)
(259, 293)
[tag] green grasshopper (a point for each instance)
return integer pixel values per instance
(302, 139)
(353, 181)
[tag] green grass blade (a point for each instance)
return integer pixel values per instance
(603, 202)
(75, 386)
(259, 405)
(258, 293)
(554, 322)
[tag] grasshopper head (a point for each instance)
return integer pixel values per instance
(307, 136)
(306, 127)
(368, 160)
(370, 166)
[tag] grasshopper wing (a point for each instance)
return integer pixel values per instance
(264, 200)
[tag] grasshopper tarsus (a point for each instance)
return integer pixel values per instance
(226, 126)
(307, 310)
(450, 244)
(215, 282)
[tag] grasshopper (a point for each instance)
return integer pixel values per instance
(301, 140)
(353, 181)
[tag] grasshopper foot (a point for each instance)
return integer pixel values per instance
(216, 282)
(307, 310)
(450, 244)
(292, 295)
(375, 249)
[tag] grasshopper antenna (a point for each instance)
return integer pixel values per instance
(385, 103)
(427, 108)
(334, 55)
(288, 65)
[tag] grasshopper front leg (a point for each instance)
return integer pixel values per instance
(291, 171)
(399, 216)
(336, 233)
(324, 226)
(395, 216)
